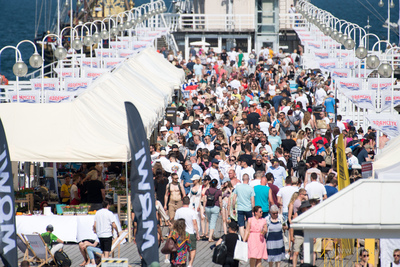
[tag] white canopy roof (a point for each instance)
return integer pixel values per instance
(365, 204)
(386, 165)
(93, 127)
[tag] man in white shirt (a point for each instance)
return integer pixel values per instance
(214, 172)
(163, 160)
(257, 179)
(302, 99)
(246, 169)
(232, 55)
(320, 95)
(285, 194)
(235, 83)
(263, 143)
(104, 223)
(189, 215)
(198, 142)
(351, 159)
(315, 188)
(339, 123)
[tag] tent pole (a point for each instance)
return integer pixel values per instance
(129, 203)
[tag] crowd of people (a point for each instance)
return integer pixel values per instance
(253, 146)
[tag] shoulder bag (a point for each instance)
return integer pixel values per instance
(170, 246)
(241, 250)
(220, 252)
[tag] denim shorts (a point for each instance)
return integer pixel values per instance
(241, 216)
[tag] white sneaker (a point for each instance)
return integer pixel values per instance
(167, 261)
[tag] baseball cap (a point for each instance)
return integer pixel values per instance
(163, 129)
(195, 177)
(215, 161)
(320, 142)
(348, 150)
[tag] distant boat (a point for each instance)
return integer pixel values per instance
(393, 25)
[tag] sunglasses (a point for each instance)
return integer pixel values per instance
(396, 255)
(365, 256)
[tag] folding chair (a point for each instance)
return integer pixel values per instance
(39, 247)
(22, 244)
(116, 245)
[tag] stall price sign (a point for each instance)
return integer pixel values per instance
(114, 262)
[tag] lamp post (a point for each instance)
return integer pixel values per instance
(60, 53)
(387, 70)
(20, 69)
(390, 5)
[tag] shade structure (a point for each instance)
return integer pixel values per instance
(199, 43)
(93, 127)
(386, 165)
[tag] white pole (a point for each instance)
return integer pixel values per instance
(388, 29)
(58, 17)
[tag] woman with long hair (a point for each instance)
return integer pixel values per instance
(255, 237)
(203, 218)
(182, 240)
(160, 184)
(226, 193)
(212, 202)
(307, 121)
(183, 149)
(195, 197)
(290, 217)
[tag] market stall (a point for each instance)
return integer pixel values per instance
(67, 228)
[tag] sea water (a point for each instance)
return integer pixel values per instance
(17, 22)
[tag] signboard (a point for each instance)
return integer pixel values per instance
(114, 262)
(366, 169)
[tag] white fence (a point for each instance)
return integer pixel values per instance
(209, 22)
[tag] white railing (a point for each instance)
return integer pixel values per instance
(291, 20)
(210, 22)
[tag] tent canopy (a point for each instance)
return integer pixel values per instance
(93, 127)
(363, 209)
(386, 165)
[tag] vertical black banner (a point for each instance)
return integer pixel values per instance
(142, 187)
(8, 247)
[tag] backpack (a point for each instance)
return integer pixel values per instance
(210, 199)
(309, 98)
(220, 252)
(328, 158)
(62, 258)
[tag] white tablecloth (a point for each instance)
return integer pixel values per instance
(66, 228)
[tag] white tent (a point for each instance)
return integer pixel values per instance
(364, 209)
(386, 165)
(93, 127)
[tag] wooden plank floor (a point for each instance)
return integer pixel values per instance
(203, 256)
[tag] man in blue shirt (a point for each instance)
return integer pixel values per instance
(276, 100)
(243, 195)
(329, 105)
(278, 172)
(263, 196)
(274, 139)
(331, 184)
(187, 175)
